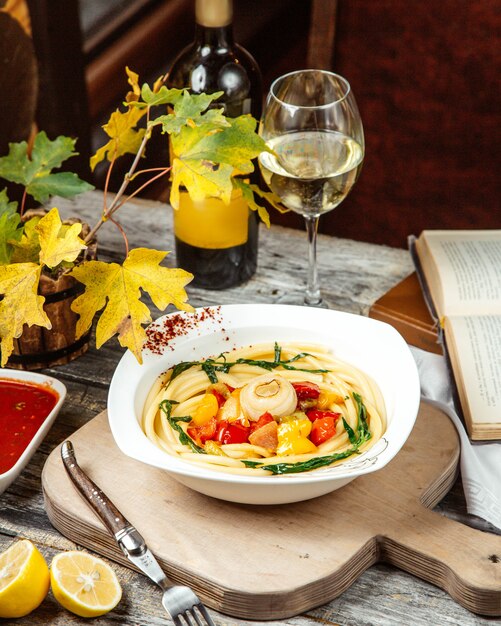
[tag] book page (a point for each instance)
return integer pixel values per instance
(469, 265)
(477, 348)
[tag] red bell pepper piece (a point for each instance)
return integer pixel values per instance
(323, 429)
(306, 390)
(231, 433)
(219, 397)
(265, 418)
(203, 433)
(315, 414)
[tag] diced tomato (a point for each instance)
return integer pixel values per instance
(265, 418)
(315, 414)
(231, 433)
(323, 429)
(306, 390)
(203, 433)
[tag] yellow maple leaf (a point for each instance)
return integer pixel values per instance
(58, 244)
(133, 80)
(27, 249)
(117, 289)
(20, 304)
(124, 137)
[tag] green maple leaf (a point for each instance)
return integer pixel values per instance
(9, 227)
(150, 97)
(190, 110)
(34, 171)
(65, 184)
(5, 205)
(190, 106)
(206, 162)
(235, 145)
(20, 304)
(173, 124)
(117, 290)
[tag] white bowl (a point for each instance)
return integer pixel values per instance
(10, 475)
(373, 346)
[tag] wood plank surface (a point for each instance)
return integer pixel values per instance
(353, 276)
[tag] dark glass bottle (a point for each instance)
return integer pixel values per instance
(217, 242)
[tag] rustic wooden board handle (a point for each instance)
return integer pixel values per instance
(461, 560)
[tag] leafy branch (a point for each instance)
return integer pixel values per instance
(208, 150)
(207, 147)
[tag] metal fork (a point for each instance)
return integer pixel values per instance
(178, 600)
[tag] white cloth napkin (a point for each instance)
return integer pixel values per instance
(480, 463)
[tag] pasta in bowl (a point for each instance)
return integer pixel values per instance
(238, 408)
(310, 410)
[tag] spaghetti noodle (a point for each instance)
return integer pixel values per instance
(265, 409)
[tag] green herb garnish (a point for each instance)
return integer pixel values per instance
(362, 425)
(301, 466)
(220, 364)
(351, 433)
(166, 406)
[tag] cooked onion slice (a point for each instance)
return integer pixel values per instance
(269, 392)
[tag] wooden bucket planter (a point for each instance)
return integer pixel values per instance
(39, 347)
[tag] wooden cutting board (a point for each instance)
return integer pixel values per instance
(270, 562)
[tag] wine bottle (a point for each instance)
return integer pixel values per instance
(215, 241)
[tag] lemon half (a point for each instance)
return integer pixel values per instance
(84, 584)
(24, 579)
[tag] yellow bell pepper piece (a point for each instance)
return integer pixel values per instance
(327, 398)
(293, 438)
(211, 447)
(206, 410)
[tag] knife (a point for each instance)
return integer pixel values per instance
(128, 538)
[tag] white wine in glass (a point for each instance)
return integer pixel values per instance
(311, 122)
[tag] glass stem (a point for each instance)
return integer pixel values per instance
(312, 295)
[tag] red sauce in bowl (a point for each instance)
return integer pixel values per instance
(23, 409)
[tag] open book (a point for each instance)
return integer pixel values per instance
(460, 272)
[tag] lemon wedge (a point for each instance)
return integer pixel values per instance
(84, 584)
(24, 579)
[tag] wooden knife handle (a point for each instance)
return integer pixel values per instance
(111, 517)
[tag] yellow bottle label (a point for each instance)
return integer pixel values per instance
(211, 223)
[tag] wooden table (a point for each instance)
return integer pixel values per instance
(353, 275)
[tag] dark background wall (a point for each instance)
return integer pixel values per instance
(425, 74)
(426, 78)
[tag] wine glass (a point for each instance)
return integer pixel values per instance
(311, 122)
